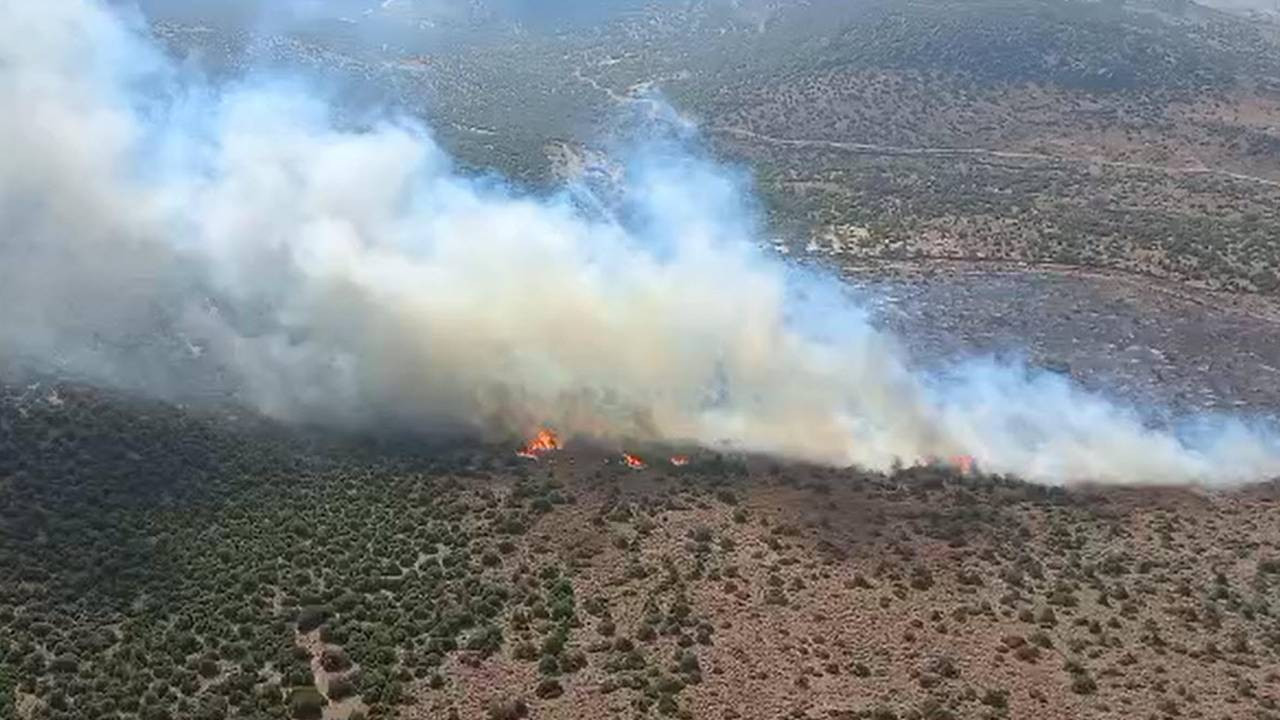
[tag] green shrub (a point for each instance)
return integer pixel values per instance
(525, 651)
(312, 617)
(554, 643)
(548, 689)
(689, 663)
(1082, 684)
(341, 687)
(208, 667)
(549, 665)
(486, 640)
(334, 660)
(508, 709)
(998, 699)
(574, 662)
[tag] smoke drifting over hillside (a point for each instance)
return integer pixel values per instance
(150, 223)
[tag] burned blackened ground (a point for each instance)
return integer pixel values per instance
(1167, 349)
(162, 563)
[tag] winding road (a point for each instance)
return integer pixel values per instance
(871, 149)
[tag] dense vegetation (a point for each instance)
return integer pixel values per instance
(157, 562)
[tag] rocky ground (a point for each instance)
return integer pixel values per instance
(809, 593)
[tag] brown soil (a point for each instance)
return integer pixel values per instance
(831, 594)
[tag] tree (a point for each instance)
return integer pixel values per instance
(334, 660)
(341, 687)
(312, 617)
(306, 704)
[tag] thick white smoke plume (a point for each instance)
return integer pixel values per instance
(148, 220)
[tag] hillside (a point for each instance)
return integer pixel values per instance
(162, 563)
(266, 380)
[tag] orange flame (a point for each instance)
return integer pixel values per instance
(633, 462)
(544, 442)
(679, 460)
(964, 463)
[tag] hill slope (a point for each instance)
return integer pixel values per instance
(162, 563)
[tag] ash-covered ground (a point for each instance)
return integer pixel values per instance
(1171, 351)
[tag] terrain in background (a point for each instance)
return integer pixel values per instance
(1141, 136)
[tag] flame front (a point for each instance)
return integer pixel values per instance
(679, 460)
(964, 463)
(544, 442)
(633, 462)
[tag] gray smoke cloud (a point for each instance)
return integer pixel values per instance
(155, 229)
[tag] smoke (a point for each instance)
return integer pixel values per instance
(157, 231)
